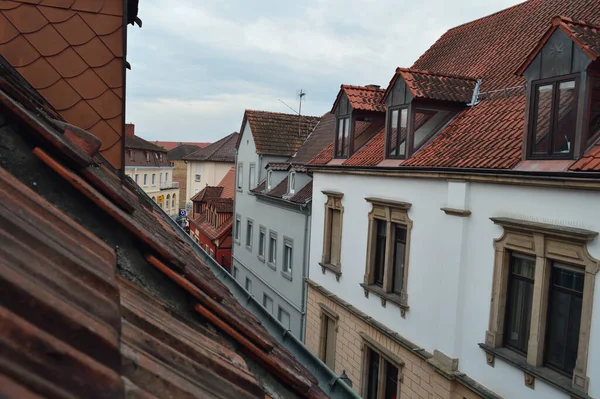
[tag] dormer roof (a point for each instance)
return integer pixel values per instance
(361, 98)
(584, 35)
(427, 85)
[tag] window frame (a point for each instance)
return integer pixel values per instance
(265, 297)
(272, 256)
(292, 182)
(248, 285)
(347, 121)
(328, 314)
(388, 130)
(251, 176)
(281, 311)
(269, 179)
(392, 213)
(262, 231)
(548, 244)
(532, 116)
(136, 178)
(153, 180)
(237, 228)
(249, 233)
(145, 179)
(589, 140)
(240, 177)
(288, 243)
(370, 345)
(333, 204)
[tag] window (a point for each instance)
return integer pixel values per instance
(212, 253)
(397, 131)
(594, 120)
(332, 234)
(248, 285)
(268, 303)
(269, 179)
(238, 228)
(262, 241)
(137, 178)
(131, 155)
(167, 177)
(387, 254)
(272, 248)
(173, 202)
(287, 256)
(252, 177)
(235, 272)
(342, 137)
(328, 336)
(249, 226)
(145, 179)
(153, 179)
(553, 118)
(167, 202)
(198, 171)
(197, 177)
(147, 156)
(381, 371)
(292, 182)
(240, 176)
(543, 283)
(160, 179)
(283, 317)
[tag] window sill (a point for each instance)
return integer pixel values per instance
(272, 265)
(337, 270)
(249, 248)
(545, 374)
(287, 275)
(385, 296)
(261, 258)
(238, 242)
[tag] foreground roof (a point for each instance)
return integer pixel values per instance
(111, 286)
(72, 53)
(219, 151)
(276, 133)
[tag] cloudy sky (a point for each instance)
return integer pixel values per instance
(196, 65)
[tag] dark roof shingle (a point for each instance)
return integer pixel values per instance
(320, 138)
(276, 133)
(181, 151)
(219, 151)
(138, 143)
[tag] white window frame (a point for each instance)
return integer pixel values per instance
(292, 179)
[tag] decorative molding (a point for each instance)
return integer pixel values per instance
(527, 226)
(334, 194)
(386, 353)
(529, 380)
(391, 203)
(385, 297)
(333, 269)
(490, 359)
(456, 212)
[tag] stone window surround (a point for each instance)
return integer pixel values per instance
(327, 312)
(384, 354)
(334, 202)
(395, 212)
(249, 226)
(290, 243)
(239, 178)
(272, 265)
(237, 234)
(547, 243)
(262, 229)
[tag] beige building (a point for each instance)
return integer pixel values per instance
(180, 167)
(148, 166)
(208, 165)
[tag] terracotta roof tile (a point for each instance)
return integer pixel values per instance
(435, 86)
(363, 98)
(137, 142)
(221, 205)
(219, 151)
(279, 190)
(201, 223)
(208, 192)
(323, 157)
(590, 162)
(47, 38)
(276, 133)
(260, 187)
(303, 195)
(320, 138)
(370, 154)
(84, 114)
(228, 184)
(480, 48)
(169, 145)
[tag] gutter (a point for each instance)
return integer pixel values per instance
(328, 381)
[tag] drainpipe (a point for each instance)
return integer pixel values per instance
(305, 274)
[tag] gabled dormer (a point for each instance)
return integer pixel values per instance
(360, 115)
(419, 104)
(563, 91)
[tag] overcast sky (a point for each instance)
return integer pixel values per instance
(196, 65)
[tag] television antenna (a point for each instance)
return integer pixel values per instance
(301, 94)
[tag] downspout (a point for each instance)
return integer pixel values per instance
(305, 274)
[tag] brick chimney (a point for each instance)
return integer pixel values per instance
(372, 86)
(129, 130)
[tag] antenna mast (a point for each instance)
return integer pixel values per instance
(301, 94)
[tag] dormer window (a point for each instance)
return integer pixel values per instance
(396, 132)
(343, 130)
(147, 156)
(292, 182)
(553, 118)
(594, 123)
(269, 179)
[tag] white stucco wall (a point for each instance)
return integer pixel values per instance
(211, 174)
(451, 263)
(163, 174)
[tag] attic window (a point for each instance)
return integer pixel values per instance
(269, 179)
(342, 137)
(413, 126)
(554, 118)
(292, 182)
(594, 122)
(147, 156)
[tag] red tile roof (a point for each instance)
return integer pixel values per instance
(275, 133)
(590, 162)
(219, 151)
(228, 184)
(207, 193)
(370, 154)
(586, 36)
(201, 222)
(303, 195)
(435, 86)
(171, 145)
(493, 47)
(71, 52)
(221, 205)
(362, 98)
(320, 138)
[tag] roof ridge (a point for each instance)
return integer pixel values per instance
(367, 88)
(559, 19)
(431, 73)
(280, 113)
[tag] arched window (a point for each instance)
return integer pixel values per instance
(167, 202)
(173, 203)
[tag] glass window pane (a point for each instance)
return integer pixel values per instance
(380, 242)
(594, 121)
(543, 106)
(399, 256)
(393, 133)
(519, 302)
(564, 132)
(340, 137)
(373, 374)
(564, 318)
(346, 134)
(403, 123)
(427, 121)
(391, 381)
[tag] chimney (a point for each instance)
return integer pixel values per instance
(129, 130)
(372, 86)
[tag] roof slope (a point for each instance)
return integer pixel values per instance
(170, 145)
(72, 53)
(275, 133)
(436, 86)
(177, 330)
(320, 138)
(493, 47)
(219, 151)
(362, 98)
(136, 142)
(180, 151)
(228, 184)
